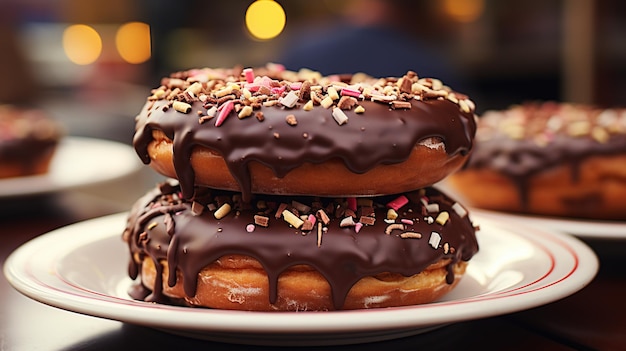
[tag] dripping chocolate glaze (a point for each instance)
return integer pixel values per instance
(522, 158)
(343, 258)
(379, 136)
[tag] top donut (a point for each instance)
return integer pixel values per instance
(273, 131)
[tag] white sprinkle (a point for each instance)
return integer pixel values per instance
(212, 111)
(250, 228)
(339, 116)
(459, 209)
(432, 207)
(290, 99)
(347, 222)
(434, 240)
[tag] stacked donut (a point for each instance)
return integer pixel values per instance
(294, 191)
(548, 158)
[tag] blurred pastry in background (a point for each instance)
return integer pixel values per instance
(548, 158)
(28, 140)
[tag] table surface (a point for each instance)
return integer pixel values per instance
(591, 319)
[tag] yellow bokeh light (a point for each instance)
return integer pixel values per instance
(465, 11)
(265, 19)
(82, 44)
(133, 42)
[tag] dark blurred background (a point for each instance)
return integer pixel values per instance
(91, 63)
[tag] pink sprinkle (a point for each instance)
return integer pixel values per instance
(350, 92)
(334, 78)
(279, 90)
(264, 81)
(253, 87)
(352, 203)
(249, 73)
(398, 202)
(224, 111)
(312, 219)
(406, 221)
(250, 228)
(357, 227)
(295, 85)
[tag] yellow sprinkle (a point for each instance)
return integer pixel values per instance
(194, 88)
(327, 102)
(308, 106)
(245, 112)
(158, 94)
(222, 211)
(359, 109)
(452, 97)
(392, 214)
(442, 218)
(233, 86)
(292, 219)
(182, 107)
(332, 93)
(246, 93)
(464, 106)
(223, 92)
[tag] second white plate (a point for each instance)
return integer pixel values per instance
(77, 162)
(82, 268)
(583, 228)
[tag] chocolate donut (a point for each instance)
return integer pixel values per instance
(296, 253)
(298, 133)
(28, 140)
(548, 158)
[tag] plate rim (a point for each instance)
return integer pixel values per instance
(585, 269)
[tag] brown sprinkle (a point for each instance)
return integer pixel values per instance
(393, 227)
(367, 220)
(263, 221)
(323, 216)
(400, 105)
(411, 235)
(291, 120)
(319, 234)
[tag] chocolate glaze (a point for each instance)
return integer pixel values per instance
(543, 147)
(381, 135)
(190, 242)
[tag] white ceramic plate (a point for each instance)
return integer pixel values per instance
(77, 162)
(583, 228)
(82, 268)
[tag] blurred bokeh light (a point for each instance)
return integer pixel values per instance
(464, 10)
(265, 19)
(133, 42)
(82, 44)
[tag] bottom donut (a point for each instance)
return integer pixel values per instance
(296, 253)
